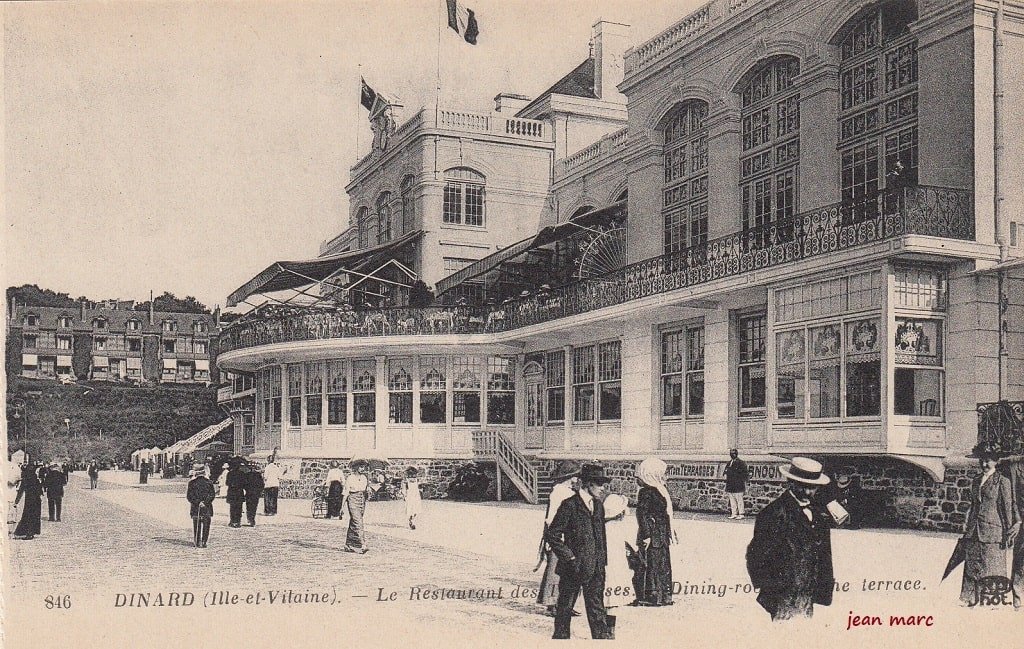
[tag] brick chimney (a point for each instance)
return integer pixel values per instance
(610, 42)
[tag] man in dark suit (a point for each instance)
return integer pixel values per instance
(577, 537)
(735, 483)
(53, 484)
(790, 557)
(236, 481)
(253, 492)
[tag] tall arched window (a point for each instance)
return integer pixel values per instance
(463, 196)
(685, 195)
(770, 124)
(877, 107)
(384, 217)
(363, 225)
(408, 205)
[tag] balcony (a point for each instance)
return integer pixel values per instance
(925, 211)
(608, 146)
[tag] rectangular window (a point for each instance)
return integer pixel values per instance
(399, 391)
(433, 400)
(859, 84)
(474, 205)
(170, 346)
(757, 203)
(672, 374)
(698, 224)
(859, 176)
(751, 365)
(609, 378)
(824, 347)
(134, 345)
(918, 392)
(452, 203)
(583, 383)
(272, 404)
(554, 369)
(788, 116)
(901, 67)
(675, 231)
(467, 384)
(337, 393)
(364, 386)
(790, 354)
(29, 341)
(314, 393)
(65, 342)
(695, 372)
(501, 390)
(295, 394)
(901, 158)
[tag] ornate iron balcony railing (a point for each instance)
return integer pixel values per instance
(928, 211)
(1001, 426)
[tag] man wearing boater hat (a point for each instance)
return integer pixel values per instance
(577, 536)
(790, 557)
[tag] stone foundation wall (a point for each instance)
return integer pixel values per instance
(894, 493)
(434, 475)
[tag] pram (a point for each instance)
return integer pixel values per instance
(320, 501)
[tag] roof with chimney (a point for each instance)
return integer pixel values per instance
(115, 320)
(578, 83)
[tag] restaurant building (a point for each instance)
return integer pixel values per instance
(805, 238)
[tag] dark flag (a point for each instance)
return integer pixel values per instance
(463, 21)
(367, 96)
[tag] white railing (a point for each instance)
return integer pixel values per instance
(683, 31)
(494, 446)
(606, 146)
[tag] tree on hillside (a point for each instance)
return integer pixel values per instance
(170, 302)
(32, 295)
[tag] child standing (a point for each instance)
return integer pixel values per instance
(200, 495)
(413, 501)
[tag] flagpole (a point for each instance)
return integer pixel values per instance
(437, 79)
(359, 104)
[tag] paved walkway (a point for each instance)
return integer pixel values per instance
(125, 538)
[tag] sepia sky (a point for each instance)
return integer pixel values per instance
(184, 146)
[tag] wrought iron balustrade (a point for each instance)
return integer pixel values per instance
(1001, 426)
(928, 211)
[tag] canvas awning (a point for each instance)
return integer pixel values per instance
(29, 359)
(100, 361)
(284, 275)
(63, 361)
(202, 364)
(546, 235)
(170, 364)
(134, 363)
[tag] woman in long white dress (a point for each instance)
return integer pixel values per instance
(413, 501)
(620, 531)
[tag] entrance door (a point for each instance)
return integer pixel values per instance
(534, 409)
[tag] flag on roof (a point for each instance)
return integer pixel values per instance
(367, 95)
(463, 21)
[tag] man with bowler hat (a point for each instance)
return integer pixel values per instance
(577, 537)
(790, 557)
(236, 481)
(253, 491)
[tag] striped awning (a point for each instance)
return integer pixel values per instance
(29, 359)
(100, 361)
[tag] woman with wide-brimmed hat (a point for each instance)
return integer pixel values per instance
(355, 494)
(565, 478)
(991, 526)
(654, 534)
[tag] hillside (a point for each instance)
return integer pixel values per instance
(106, 420)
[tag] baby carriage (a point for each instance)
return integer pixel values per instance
(320, 501)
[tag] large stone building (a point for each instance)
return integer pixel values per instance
(111, 341)
(804, 238)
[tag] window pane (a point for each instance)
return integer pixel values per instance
(432, 407)
(364, 408)
(501, 408)
(863, 388)
(400, 407)
(314, 404)
(452, 203)
(695, 394)
(336, 409)
(611, 401)
(466, 408)
(752, 387)
(672, 395)
(295, 411)
(789, 351)
(583, 403)
(823, 375)
(556, 404)
(474, 205)
(918, 392)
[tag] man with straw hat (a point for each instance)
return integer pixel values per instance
(566, 481)
(790, 557)
(200, 494)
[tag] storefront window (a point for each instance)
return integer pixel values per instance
(433, 400)
(501, 390)
(863, 369)
(467, 385)
(314, 393)
(823, 371)
(364, 385)
(554, 368)
(790, 355)
(399, 391)
(751, 367)
(337, 398)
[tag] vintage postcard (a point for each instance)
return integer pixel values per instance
(497, 323)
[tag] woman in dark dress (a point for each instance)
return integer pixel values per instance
(32, 489)
(654, 534)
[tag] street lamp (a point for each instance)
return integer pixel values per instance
(67, 423)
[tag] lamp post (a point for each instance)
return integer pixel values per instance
(67, 424)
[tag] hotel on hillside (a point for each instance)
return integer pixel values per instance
(785, 226)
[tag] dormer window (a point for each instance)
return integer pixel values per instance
(99, 323)
(170, 326)
(30, 320)
(199, 327)
(134, 325)
(64, 322)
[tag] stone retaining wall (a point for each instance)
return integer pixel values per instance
(434, 474)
